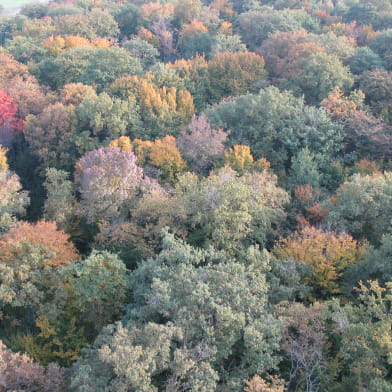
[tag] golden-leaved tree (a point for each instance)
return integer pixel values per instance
(327, 253)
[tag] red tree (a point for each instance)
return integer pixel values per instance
(9, 121)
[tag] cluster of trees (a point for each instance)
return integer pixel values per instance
(196, 195)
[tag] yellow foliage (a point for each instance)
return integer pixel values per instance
(161, 153)
(100, 42)
(155, 11)
(327, 253)
(54, 44)
(3, 159)
(123, 143)
(166, 156)
(75, 93)
(240, 158)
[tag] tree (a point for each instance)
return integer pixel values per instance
(328, 254)
(305, 343)
(241, 160)
(363, 331)
(107, 64)
(52, 135)
(126, 15)
(228, 211)
(143, 50)
(257, 384)
(376, 85)
(362, 206)
(9, 121)
(103, 23)
(19, 372)
(99, 285)
(68, 67)
(13, 200)
(257, 25)
(106, 178)
(233, 74)
(304, 170)
(201, 145)
(228, 43)
(106, 118)
(364, 59)
(162, 154)
(316, 88)
(42, 233)
(197, 319)
(277, 125)
(60, 201)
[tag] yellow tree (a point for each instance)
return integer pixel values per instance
(161, 153)
(327, 254)
(240, 158)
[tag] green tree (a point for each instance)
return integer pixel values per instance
(304, 170)
(363, 206)
(13, 200)
(319, 75)
(105, 65)
(197, 319)
(277, 126)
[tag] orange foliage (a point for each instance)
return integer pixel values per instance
(41, 233)
(235, 73)
(165, 155)
(327, 253)
(226, 28)
(257, 384)
(148, 36)
(338, 105)
(100, 42)
(154, 11)
(76, 41)
(365, 167)
(193, 28)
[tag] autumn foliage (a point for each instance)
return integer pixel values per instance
(41, 233)
(327, 253)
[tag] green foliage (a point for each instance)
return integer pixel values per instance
(228, 211)
(277, 126)
(105, 65)
(13, 200)
(197, 318)
(364, 356)
(107, 118)
(319, 75)
(304, 170)
(60, 200)
(362, 206)
(99, 285)
(364, 59)
(144, 51)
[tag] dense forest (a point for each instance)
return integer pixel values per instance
(196, 195)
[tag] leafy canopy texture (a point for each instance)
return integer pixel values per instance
(198, 319)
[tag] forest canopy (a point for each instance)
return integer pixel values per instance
(196, 195)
